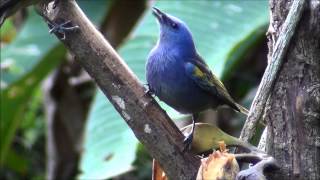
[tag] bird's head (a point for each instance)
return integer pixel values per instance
(173, 31)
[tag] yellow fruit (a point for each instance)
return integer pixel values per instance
(220, 165)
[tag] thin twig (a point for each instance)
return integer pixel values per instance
(271, 72)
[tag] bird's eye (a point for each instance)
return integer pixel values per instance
(174, 25)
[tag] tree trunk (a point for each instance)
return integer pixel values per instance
(293, 109)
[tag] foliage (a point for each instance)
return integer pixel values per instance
(224, 31)
(29, 59)
(25, 62)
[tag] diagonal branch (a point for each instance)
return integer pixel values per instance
(269, 77)
(148, 121)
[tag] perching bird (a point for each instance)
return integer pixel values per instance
(177, 74)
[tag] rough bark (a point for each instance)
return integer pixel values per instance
(66, 113)
(66, 105)
(144, 116)
(122, 16)
(293, 109)
(276, 58)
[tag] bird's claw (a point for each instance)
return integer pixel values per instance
(187, 142)
(62, 29)
(148, 90)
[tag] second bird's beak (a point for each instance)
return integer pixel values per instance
(158, 14)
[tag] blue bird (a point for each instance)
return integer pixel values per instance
(177, 74)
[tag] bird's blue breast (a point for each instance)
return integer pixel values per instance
(167, 78)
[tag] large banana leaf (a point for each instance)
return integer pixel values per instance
(223, 31)
(25, 62)
(110, 146)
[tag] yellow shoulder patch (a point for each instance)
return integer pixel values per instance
(197, 72)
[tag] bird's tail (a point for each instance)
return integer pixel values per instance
(242, 109)
(236, 106)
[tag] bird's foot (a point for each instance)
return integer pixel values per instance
(61, 29)
(148, 90)
(187, 142)
(189, 138)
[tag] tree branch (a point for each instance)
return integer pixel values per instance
(271, 72)
(292, 113)
(148, 121)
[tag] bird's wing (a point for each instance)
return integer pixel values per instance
(199, 72)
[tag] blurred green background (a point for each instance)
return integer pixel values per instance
(56, 124)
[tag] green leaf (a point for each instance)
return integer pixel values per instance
(95, 11)
(16, 162)
(7, 31)
(239, 50)
(23, 54)
(218, 28)
(25, 63)
(110, 145)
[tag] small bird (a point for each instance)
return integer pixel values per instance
(177, 74)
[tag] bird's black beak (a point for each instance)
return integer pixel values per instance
(158, 14)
